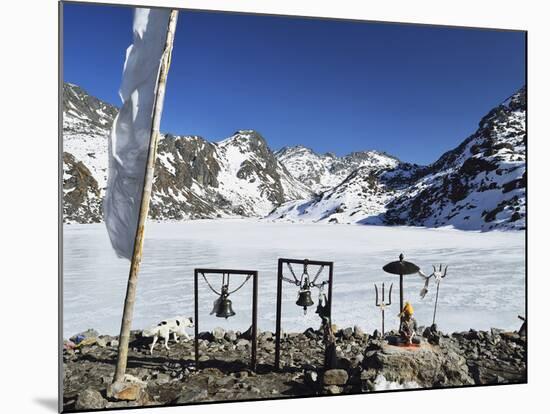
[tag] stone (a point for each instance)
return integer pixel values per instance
(427, 365)
(376, 334)
(87, 342)
(205, 336)
(162, 378)
(230, 336)
(311, 378)
(90, 333)
(101, 342)
(218, 333)
(310, 333)
(335, 377)
(358, 332)
(90, 399)
(114, 343)
(347, 333)
(124, 391)
(242, 343)
(192, 395)
(333, 390)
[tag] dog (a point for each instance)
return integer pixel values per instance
(175, 326)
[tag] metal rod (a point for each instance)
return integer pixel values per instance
(196, 318)
(435, 307)
(328, 353)
(278, 317)
(131, 288)
(401, 296)
(330, 277)
(383, 322)
(254, 320)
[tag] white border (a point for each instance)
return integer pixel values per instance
(28, 208)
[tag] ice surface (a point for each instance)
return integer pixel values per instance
(485, 286)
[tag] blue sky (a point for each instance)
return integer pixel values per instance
(335, 86)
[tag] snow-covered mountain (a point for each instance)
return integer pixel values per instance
(478, 185)
(323, 172)
(194, 178)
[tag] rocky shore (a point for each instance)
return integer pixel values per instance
(366, 363)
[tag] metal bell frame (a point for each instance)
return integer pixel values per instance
(305, 284)
(225, 309)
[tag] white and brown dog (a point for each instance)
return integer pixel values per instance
(175, 326)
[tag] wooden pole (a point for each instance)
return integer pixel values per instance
(129, 301)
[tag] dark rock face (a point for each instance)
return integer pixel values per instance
(365, 363)
(96, 114)
(82, 198)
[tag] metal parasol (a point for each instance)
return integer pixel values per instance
(401, 268)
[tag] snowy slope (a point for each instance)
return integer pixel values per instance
(86, 126)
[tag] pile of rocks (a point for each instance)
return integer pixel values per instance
(365, 363)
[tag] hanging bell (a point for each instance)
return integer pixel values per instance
(304, 300)
(225, 308)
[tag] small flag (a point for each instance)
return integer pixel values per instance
(131, 133)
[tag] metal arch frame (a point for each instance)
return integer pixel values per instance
(282, 261)
(254, 275)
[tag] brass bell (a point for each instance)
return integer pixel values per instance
(225, 308)
(304, 299)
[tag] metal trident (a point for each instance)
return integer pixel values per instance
(438, 275)
(382, 303)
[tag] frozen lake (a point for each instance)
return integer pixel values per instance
(485, 286)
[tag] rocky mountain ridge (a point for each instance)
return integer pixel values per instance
(479, 185)
(194, 178)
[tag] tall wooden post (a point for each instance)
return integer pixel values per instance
(129, 301)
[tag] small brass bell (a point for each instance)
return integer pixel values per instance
(304, 300)
(225, 308)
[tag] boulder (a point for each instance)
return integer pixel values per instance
(358, 332)
(125, 391)
(428, 365)
(311, 378)
(190, 395)
(347, 333)
(335, 377)
(218, 333)
(241, 343)
(90, 399)
(230, 336)
(90, 333)
(333, 390)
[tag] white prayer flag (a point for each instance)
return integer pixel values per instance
(131, 132)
